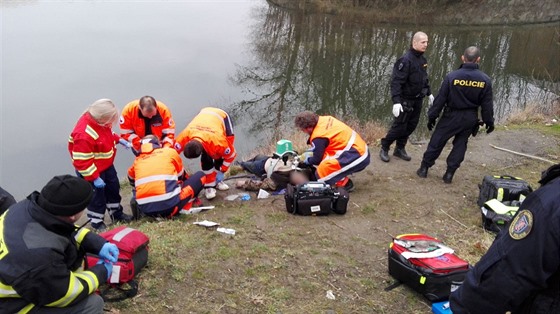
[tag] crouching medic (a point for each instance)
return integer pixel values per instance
(338, 150)
(42, 251)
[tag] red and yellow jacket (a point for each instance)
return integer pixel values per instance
(212, 127)
(341, 147)
(133, 127)
(92, 147)
(155, 173)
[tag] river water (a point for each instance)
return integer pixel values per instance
(260, 63)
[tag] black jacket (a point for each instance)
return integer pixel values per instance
(410, 77)
(521, 270)
(466, 88)
(40, 257)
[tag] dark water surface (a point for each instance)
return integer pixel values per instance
(261, 63)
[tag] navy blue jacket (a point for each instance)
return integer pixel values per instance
(410, 78)
(521, 270)
(465, 89)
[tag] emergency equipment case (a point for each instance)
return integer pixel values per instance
(315, 198)
(497, 215)
(503, 188)
(426, 265)
(133, 253)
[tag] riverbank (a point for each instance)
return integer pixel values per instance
(434, 12)
(280, 263)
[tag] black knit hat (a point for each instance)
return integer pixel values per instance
(65, 195)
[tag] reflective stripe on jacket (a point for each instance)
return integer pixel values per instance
(155, 172)
(213, 128)
(41, 258)
(91, 147)
(133, 125)
(345, 149)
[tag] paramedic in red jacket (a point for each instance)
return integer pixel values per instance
(210, 136)
(147, 116)
(161, 186)
(337, 150)
(42, 251)
(92, 149)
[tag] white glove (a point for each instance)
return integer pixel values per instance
(397, 109)
(431, 99)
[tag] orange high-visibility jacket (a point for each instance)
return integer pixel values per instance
(133, 127)
(155, 173)
(92, 147)
(346, 147)
(213, 128)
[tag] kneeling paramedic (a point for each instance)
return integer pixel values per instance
(337, 150)
(42, 251)
(161, 186)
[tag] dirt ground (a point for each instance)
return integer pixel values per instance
(279, 263)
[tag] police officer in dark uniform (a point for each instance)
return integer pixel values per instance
(521, 270)
(460, 95)
(409, 86)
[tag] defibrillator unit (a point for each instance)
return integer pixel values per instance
(315, 198)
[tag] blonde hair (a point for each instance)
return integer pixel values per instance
(103, 111)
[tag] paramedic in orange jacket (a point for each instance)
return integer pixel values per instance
(92, 149)
(337, 150)
(210, 136)
(159, 181)
(147, 116)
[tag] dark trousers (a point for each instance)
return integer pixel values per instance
(207, 163)
(456, 124)
(107, 198)
(404, 124)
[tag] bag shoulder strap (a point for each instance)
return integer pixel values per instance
(117, 292)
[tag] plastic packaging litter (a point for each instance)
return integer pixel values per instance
(244, 197)
(206, 223)
(231, 197)
(226, 230)
(263, 194)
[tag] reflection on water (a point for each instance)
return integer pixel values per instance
(330, 65)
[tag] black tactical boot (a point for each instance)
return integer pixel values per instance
(422, 172)
(448, 176)
(119, 216)
(401, 153)
(384, 154)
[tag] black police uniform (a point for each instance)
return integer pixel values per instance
(460, 95)
(521, 270)
(409, 85)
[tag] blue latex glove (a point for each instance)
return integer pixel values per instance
(219, 176)
(108, 266)
(99, 183)
(109, 252)
(125, 143)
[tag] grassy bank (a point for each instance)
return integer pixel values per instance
(280, 263)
